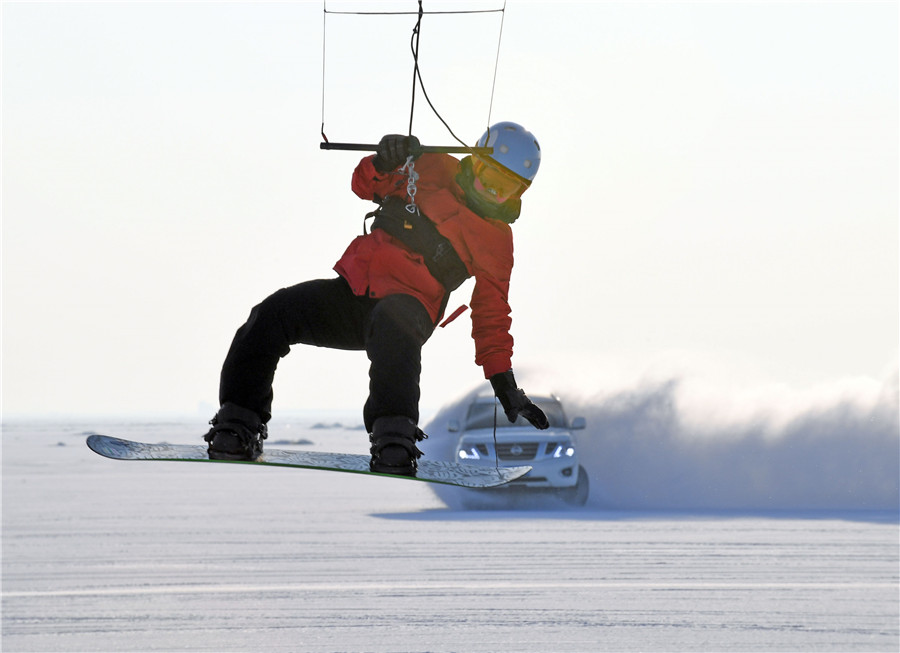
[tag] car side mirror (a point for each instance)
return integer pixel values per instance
(578, 423)
(453, 426)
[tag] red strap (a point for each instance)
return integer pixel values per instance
(455, 314)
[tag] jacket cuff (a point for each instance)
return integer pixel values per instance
(496, 365)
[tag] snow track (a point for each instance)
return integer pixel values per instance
(100, 555)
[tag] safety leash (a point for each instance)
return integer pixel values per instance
(411, 178)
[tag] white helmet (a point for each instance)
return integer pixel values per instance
(515, 148)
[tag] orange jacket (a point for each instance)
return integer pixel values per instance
(379, 265)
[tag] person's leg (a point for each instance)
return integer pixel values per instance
(324, 313)
(397, 328)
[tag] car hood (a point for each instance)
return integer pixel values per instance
(518, 433)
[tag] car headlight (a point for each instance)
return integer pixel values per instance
(564, 450)
(469, 453)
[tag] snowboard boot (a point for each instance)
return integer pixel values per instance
(394, 449)
(236, 434)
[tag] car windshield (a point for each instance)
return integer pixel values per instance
(481, 416)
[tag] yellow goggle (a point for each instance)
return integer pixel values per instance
(498, 184)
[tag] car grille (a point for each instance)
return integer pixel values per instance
(517, 450)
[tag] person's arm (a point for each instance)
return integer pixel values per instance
(491, 323)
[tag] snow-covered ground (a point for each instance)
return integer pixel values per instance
(102, 555)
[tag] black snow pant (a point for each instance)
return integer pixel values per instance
(326, 313)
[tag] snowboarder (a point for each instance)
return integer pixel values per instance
(440, 220)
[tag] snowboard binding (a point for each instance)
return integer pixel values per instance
(394, 449)
(236, 434)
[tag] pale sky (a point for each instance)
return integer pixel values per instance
(718, 189)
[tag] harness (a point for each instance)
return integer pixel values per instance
(416, 231)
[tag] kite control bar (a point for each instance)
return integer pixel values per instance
(373, 147)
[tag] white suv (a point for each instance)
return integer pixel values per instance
(552, 453)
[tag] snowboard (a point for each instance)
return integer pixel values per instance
(430, 471)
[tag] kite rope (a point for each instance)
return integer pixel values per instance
(414, 47)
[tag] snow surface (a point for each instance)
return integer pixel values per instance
(686, 545)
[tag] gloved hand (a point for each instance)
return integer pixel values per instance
(393, 150)
(515, 402)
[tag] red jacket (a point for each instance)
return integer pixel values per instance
(379, 265)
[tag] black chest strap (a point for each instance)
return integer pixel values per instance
(417, 232)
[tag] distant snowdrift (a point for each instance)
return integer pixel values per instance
(672, 445)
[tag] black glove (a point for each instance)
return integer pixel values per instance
(515, 402)
(393, 150)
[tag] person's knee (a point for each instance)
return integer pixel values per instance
(401, 316)
(270, 309)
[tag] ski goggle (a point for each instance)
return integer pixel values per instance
(497, 183)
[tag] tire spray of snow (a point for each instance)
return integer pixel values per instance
(686, 443)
